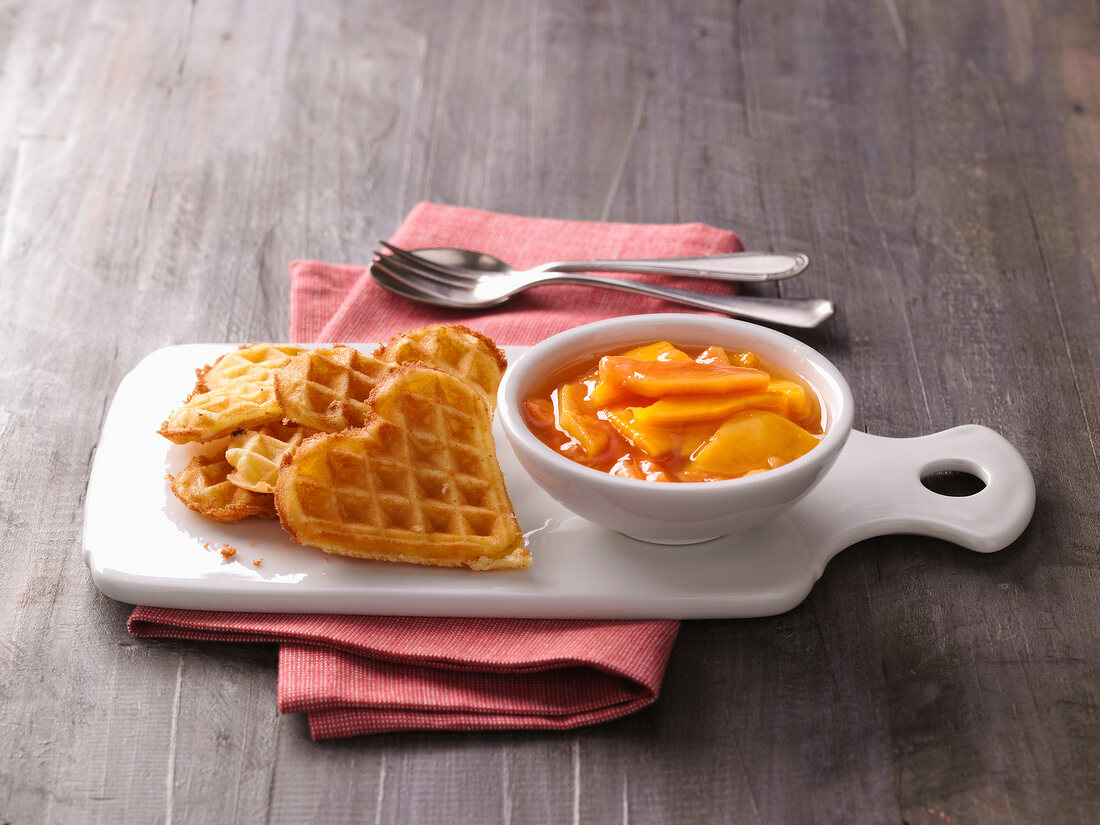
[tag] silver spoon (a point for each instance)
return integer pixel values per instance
(468, 289)
(734, 266)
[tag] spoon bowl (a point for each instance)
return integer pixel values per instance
(464, 259)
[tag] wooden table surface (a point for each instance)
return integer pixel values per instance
(161, 163)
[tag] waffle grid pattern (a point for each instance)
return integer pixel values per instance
(212, 414)
(419, 474)
(255, 362)
(451, 349)
(203, 486)
(327, 389)
(255, 454)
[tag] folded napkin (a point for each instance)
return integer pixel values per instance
(369, 674)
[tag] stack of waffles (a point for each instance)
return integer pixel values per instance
(388, 456)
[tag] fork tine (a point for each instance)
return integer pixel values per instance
(381, 273)
(424, 283)
(383, 277)
(415, 271)
(414, 260)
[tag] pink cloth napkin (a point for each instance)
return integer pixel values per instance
(356, 675)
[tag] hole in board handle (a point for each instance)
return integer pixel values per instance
(954, 483)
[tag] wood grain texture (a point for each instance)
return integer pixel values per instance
(161, 163)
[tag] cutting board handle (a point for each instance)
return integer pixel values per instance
(875, 489)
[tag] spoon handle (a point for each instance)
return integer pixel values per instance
(735, 266)
(803, 313)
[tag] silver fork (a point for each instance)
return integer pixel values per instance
(420, 280)
(730, 266)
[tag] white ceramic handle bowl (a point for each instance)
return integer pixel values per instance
(673, 513)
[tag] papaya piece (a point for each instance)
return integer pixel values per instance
(655, 442)
(799, 404)
(606, 395)
(688, 409)
(657, 351)
(585, 429)
(714, 355)
(612, 395)
(656, 379)
(745, 359)
(693, 436)
(750, 440)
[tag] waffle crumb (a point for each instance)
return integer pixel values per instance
(228, 551)
(257, 562)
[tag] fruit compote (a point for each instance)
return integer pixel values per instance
(664, 413)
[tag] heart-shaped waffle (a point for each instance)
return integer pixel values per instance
(327, 389)
(464, 353)
(418, 483)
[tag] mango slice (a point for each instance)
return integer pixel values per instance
(750, 440)
(745, 359)
(604, 394)
(718, 355)
(655, 442)
(612, 395)
(799, 405)
(655, 379)
(714, 355)
(692, 436)
(688, 409)
(657, 351)
(584, 428)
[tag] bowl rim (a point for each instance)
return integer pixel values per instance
(838, 421)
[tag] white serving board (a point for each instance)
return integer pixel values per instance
(144, 547)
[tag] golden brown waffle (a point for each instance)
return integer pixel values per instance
(327, 389)
(464, 353)
(204, 487)
(209, 415)
(236, 392)
(418, 483)
(255, 362)
(255, 454)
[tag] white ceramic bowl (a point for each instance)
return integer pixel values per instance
(678, 512)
